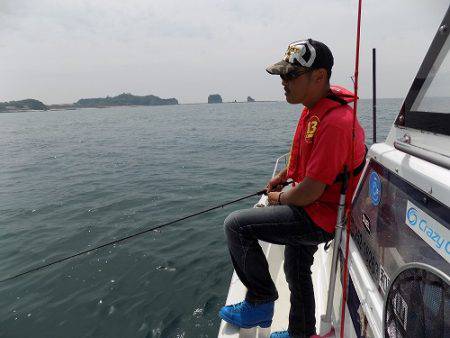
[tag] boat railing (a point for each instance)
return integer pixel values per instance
(279, 159)
(404, 144)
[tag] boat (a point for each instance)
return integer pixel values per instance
(399, 240)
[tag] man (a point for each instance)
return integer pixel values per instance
(304, 216)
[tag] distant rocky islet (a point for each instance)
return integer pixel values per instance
(216, 98)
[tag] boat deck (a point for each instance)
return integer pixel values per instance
(275, 254)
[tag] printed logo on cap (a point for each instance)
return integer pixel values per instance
(302, 52)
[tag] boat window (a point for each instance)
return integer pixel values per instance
(427, 105)
(436, 89)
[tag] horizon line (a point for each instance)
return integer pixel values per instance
(183, 103)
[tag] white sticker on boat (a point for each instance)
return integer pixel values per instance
(383, 280)
(431, 231)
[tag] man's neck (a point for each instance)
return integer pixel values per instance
(310, 103)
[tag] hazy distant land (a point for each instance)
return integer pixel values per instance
(125, 99)
(22, 105)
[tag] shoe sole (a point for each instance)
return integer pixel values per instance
(264, 324)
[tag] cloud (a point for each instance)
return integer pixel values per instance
(59, 51)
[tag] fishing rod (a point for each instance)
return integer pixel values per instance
(352, 177)
(259, 193)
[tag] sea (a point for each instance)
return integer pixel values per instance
(74, 179)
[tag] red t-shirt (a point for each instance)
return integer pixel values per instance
(321, 147)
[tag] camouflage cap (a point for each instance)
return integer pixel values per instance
(303, 54)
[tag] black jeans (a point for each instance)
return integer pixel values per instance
(285, 225)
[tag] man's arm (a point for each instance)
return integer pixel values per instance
(302, 194)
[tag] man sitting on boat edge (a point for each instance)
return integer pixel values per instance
(304, 216)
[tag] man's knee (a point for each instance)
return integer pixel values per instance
(231, 223)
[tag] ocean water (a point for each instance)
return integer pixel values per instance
(71, 180)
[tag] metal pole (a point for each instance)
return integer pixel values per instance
(374, 102)
(325, 320)
(337, 242)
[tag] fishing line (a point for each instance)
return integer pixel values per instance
(259, 193)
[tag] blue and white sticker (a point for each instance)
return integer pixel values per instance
(375, 188)
(431, 231)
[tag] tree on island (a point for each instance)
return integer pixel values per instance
(214, 98)
(250, 99)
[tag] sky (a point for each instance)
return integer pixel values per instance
(61, 51)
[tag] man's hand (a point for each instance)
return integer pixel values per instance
(273, 198)
(273, 184)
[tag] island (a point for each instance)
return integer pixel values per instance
(250, 99)
(214, 98)
(125, 99)
(22, 105)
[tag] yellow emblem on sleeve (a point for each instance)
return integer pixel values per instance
(311, 128)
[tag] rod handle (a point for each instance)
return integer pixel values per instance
(282, 185)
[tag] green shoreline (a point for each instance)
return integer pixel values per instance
(122, 100)
(125, 99)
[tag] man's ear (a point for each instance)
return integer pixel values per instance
(321, 75)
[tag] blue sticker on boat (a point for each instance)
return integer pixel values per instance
(375, 188)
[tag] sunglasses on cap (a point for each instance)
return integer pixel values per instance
(294, 74)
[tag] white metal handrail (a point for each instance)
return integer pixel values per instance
(285, 156)
(424, 154)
